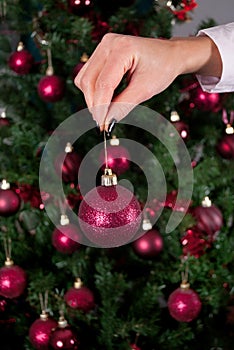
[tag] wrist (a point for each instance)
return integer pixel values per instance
(198, 55)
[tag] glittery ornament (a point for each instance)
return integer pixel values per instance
(80, 297)
(21, 61)
(209, 218)
(109, 216)
(149, 245)
(12, 280)
(65, 238)
(51, 88)
(9, 200)
(117, 157)
(63, 337)
(184, 304)
(39, 331)
(194, 243)
(67, 164)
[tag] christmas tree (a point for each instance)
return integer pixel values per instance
(148, 287)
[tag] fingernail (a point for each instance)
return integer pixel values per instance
(111, 127)
(97, 128)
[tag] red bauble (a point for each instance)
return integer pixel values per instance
(194, 243)
(149, 245)
(109, 216)
(63, 337)
(205, 101)
(65, 238)
(77, 68)
(21, 61)
(79, 7)
(3, 305)
(39, 332)
(13, 280)
(30, 194)
(9, 200)
(172, 203)
(51, 88)
(67, 164)
(134, 347)
(209, 220)
(4, 121)
(184, 304)
(117, 159)
(225, 146)
(80, 297)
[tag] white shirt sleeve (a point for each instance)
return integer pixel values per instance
(223, 37)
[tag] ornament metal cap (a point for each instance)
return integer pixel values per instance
(84, 58)
(64, 220)
(44, 315)
(9, 262)
(146, 225)
(20, 46)
(174, 116)
(184, 285)
(62, 322)
(206, 203)
(68, 148)
(108, 178)
(78, 283)
(49, 71)
(114, 141)
(229, 129)
(4, 185)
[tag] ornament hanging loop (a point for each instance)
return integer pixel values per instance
(184, 276)
(8, 249)
(108, 178)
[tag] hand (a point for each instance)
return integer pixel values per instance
(150, 65)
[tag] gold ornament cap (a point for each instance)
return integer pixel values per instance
(146, 225)
(49, 71)
(62, 322)
(64, 220)
(44, 315)
(84, 58)
(114, 141)
(206, 203)
(20, 46)
(9, 262)
(184, 285)
(108, 178)
(229, 129)
(78, 283)
(68, 148)
(174, 116)
(4, 185)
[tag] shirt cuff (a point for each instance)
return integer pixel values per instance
(223, 37)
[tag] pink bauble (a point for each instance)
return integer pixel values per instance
(205, 101)
(225, 146)
(184, 304)
(51, 88)
(134, 347)
(13, 281)
(68, 168)
(117, 157)
(39, 332)
(109, 216)
(80, 298)
(149, 245)
(79, 7)
(9, 202)
(63, 338)
(66, 238)
(21, 62)
(209, 220)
